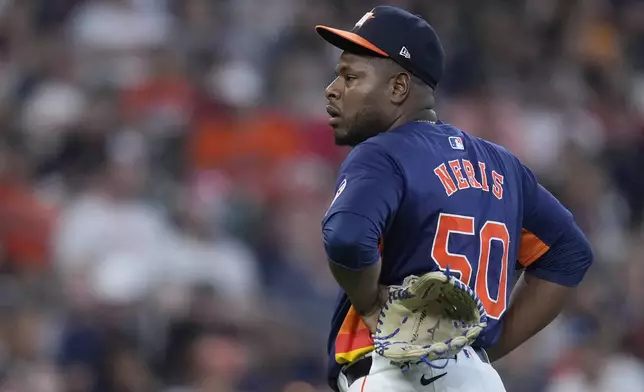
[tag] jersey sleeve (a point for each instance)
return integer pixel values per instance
(370, 188)
(552, 246)
(544, 219)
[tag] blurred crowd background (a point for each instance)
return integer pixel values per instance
(165, 164)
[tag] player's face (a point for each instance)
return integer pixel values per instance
(357, 100)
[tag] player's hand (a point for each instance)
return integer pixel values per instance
(371, 316)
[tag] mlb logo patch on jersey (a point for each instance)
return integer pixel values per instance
(456, 143)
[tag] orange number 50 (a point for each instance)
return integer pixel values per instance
(491, 231)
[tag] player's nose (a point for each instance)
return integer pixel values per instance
(332, 92)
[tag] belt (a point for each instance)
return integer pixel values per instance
(361, 367)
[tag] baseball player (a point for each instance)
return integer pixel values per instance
(417, 195)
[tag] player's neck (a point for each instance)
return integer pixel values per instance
(428, 115)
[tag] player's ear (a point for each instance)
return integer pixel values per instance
(400, 87)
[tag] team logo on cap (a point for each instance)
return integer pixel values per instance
(366, 17)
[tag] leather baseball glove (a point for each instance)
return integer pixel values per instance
(430, 317)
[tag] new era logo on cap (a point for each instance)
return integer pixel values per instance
(404, 52)
(456, 143)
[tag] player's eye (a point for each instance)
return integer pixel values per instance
(349, 78)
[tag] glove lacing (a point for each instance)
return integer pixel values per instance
(406, 366)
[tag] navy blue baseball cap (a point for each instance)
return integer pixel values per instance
(392, 32)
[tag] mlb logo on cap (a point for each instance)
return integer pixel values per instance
(456, 143)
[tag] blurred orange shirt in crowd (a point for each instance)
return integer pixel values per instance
(599, 43)
(259, 140)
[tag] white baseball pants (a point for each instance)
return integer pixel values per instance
(468, 372)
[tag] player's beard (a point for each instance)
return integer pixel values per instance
(365, 124)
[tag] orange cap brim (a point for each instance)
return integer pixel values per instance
(345, 39)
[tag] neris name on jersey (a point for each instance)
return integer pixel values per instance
(459, 174)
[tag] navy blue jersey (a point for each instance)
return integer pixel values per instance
(439, 197)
